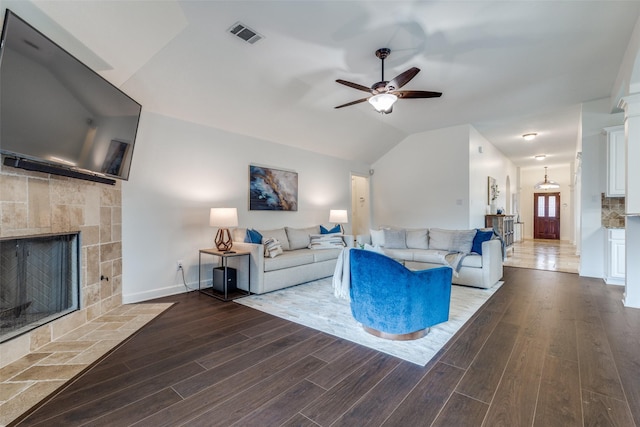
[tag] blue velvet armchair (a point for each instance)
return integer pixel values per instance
(393, 302)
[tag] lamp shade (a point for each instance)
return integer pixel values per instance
(383, 101)
(223, 217)
(338, 216)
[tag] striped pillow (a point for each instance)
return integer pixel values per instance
(272, 247)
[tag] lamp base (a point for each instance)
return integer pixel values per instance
(223, 240)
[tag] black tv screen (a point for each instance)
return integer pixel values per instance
(57, 111)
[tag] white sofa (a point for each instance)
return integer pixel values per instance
(295, 265)
(429, 248)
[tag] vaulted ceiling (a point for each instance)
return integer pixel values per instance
(505, 67)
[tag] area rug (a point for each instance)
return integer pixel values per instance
(314, 305)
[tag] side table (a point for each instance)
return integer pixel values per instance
(224, 259)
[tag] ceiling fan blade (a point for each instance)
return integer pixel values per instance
(416, 94)
(402, 79)
(354, 85)
(352, 103)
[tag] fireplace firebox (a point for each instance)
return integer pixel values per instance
(39, 281)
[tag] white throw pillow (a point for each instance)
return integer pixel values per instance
(377, 249)
(451, 240)
(377, 237)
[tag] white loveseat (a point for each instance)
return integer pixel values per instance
(420, 249)
(296, 264)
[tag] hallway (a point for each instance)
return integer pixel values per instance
(551, 255)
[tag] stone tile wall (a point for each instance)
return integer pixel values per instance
(612, 212)
(33, 203)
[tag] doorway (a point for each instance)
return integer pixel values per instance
(360, 205)
(546, 216)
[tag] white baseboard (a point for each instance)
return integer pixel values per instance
(154, 293)
(614, 281)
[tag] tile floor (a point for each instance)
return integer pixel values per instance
(28, 380)
(552, 255)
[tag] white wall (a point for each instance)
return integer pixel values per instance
(424, 181)
(438, 179)
(482, 165)
(595, 116)
(181, 169)
(530, 177)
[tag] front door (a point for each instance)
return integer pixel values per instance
(546, 216)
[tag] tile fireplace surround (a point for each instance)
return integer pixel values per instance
(33, 203)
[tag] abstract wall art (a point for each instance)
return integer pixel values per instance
(272, 189)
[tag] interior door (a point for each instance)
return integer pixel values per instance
(546, 216)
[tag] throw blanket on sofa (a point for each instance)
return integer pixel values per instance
(342, 276)
(454, 260)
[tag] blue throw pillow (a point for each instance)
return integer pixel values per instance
(253, 236)
(335, 229)
(481, 236)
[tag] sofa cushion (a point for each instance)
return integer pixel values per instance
(299, 238)
(319, 256)
(289, 259)
(399, 254)
(481, 237)
(451, 240)
(279, 234)
(395, 239)
(433, 256)
(418, 239)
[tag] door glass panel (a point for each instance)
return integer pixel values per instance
(541, 205)
(552, 207)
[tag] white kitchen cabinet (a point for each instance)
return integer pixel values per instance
(615, 256)
(615, 161)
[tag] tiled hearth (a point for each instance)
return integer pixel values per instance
(38, 362)
(33, 377)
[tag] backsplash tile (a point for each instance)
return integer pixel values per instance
(612, 212)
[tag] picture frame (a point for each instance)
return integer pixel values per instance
(492, 190)
(272, 189)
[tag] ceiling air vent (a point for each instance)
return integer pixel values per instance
(245, 33)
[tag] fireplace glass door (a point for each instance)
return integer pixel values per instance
(39, 281)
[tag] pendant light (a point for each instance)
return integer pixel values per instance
(546, 184)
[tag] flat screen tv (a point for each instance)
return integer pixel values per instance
(56, 114)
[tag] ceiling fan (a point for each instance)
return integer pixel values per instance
(385, 93)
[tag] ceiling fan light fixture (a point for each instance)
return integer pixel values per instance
(529, 136)
(383, 102)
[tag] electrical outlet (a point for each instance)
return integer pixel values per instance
(179, 265)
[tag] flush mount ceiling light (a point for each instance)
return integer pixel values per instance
(546, 184)
(529, 136)
(540, 157)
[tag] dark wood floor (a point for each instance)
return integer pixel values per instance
(548, 349)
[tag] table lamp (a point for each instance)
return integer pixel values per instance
(223, 218)
(338, 217)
